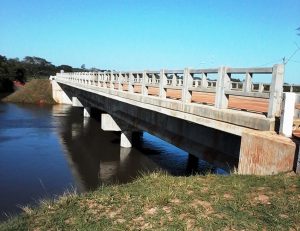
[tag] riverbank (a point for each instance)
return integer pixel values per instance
(37, 91)
(161, 202)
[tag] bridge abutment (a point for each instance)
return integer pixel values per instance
(265, 153)
(58, 93)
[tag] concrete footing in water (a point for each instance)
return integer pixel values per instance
(265, 153)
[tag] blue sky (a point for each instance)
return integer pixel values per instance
(153, 34)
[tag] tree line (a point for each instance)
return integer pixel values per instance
(30, 67)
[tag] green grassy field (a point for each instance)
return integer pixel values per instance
(161, 202)
(36, 91)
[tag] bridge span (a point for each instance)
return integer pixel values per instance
(196, 110)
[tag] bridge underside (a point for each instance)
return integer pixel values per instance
(191, 137)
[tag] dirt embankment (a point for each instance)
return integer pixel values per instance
(36, 91)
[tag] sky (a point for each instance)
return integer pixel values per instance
(154, 34)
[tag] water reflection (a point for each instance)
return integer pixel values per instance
(44, 150)
(98, 159)
(96, 155)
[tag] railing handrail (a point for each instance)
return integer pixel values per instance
(188, 80)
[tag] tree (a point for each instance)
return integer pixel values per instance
(20, 75)
(82, 66)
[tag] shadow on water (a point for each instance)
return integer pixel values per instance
(97, 158)
(44, 150)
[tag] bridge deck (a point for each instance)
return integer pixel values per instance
(189, 91)
(256, 105)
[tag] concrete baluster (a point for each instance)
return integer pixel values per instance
(204, 82)
(276, 90)
(104, 80)
(112, 80)
(223, 84)
(162, 84)
(196, 83)
(186, 94)
(150, 79)
(144, 82)
(261, 87)
(174, 80)
(130, 83)
(120, 81)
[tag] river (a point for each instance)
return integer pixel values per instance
(47, 150)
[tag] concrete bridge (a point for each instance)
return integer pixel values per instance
(196, 110)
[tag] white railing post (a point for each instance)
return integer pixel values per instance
(276, 90)
(204, 82)
(105, 80)
(130, 83)
(287, 114)
(144, 82)
(120, 81)
(174, 80)
(261, 87)
(186, 94)
(112, 80)
(162, 84)
(223, 84)
(247, 84)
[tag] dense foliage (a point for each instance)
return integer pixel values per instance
(16, 69)
(29, 67)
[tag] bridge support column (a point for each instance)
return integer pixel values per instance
(87, 112)
(58, 93)
(108, 123)
(126, 139)
(76, 102)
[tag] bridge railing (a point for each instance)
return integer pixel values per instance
(215, 81)
(290, 114)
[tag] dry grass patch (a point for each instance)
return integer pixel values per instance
(161, 202)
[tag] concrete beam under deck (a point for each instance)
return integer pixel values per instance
(227, 120)
(167, 124)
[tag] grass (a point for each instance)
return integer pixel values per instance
(36, 91)
(162, 202)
